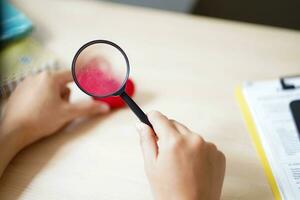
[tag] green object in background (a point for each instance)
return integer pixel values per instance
(21, 58)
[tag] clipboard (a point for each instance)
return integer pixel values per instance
(287, 84)
(256, 142)
(294, 105)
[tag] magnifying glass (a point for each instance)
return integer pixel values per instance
(100, 68)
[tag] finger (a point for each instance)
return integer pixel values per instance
(218, 173)
(63, 76)
(162, 126)
(181, 128)
(148, 143)
(222, 161)
(212, 152)
(87, 107)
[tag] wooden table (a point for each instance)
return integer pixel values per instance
(185, 66)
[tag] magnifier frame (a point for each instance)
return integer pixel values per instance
(121, 91)
(122, 88)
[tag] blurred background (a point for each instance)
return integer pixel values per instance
(280, 13)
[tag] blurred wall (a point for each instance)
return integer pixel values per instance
(174, 5)
(283, 13)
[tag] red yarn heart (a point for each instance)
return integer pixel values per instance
(116, 101)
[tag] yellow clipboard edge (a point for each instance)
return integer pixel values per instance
(256, 141)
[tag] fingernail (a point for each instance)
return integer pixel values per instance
(140, 127)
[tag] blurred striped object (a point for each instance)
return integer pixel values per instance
(22, 58)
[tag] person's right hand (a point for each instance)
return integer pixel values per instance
(180, 165)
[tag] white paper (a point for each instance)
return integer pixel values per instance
(269, 106)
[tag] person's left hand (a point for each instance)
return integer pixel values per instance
(40, 106)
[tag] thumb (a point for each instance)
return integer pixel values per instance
(148, 143)
(88, 107)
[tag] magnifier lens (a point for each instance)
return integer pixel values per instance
(101, 69)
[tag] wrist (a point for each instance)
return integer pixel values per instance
(11, 139)
(179, 195)
(9, 147)
(14, 134)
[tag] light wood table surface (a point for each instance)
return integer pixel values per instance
(185, 66)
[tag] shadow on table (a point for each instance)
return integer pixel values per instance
(143, 98)
(22, 173)
(245, 178)
(238, 184)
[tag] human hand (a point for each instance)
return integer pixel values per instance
(181, 165)
(40, 106)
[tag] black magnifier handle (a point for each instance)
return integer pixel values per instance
(135, 108)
